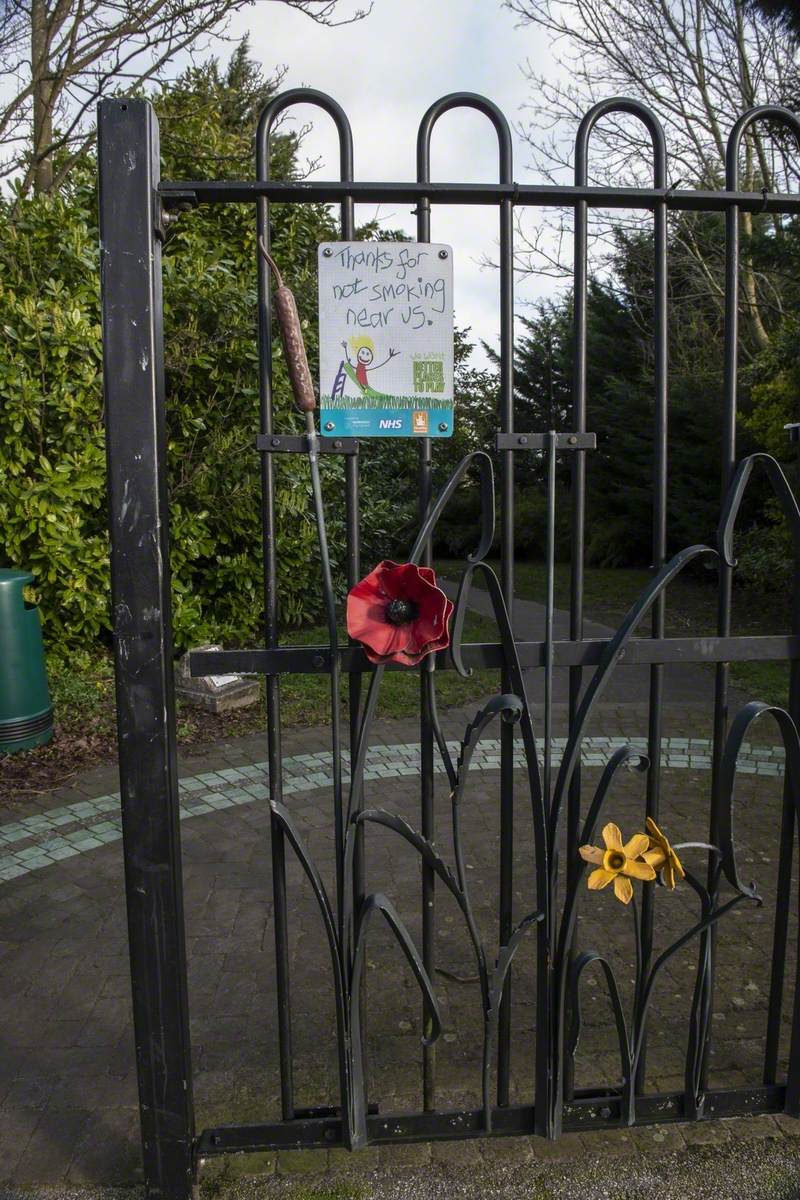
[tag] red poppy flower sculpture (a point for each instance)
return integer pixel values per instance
(399, 614)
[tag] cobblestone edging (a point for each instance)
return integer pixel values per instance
(39, 841)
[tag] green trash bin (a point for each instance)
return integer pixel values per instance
(26, 714)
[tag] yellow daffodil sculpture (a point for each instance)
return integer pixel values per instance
(662, 857)
(642, 857)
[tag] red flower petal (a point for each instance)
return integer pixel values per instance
(409, 643)
(366, 622)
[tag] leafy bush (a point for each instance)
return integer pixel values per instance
(764, 554)
(52, 463)
(52, 458)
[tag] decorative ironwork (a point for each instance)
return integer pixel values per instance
(132, 200)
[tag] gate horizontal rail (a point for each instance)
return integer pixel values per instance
(177, 193)
(316, 660)
(594, 1112)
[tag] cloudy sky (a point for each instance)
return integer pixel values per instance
(385, 71)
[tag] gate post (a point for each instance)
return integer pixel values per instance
(133, 378)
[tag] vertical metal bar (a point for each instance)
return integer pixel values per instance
(580, 269)
(782, 907)
(656, 697)
(725, 595)
(266, 121)
(353, 562)
(490, 110)
(352, 522)
(660, 315)
(786, 856)
(783, 897)
(426, 738)
(272, 682)
(507, 583)
(133, 380)
(725, 576)
(548, 623)
(427, 796)
(792, 1103)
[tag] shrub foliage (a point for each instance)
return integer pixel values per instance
(52, 455)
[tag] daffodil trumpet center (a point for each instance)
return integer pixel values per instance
(401, 612)
(613, 860)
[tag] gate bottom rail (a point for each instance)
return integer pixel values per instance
(588, 1111)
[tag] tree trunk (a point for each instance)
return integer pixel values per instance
(42, 99)
(760, 335)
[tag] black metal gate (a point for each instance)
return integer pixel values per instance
(135, 206)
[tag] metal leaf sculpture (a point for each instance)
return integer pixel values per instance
(560, 970)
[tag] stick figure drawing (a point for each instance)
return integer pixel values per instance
(364, 350)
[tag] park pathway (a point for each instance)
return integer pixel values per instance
(685, 683)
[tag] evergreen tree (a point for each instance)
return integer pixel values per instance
(620, 403)
(785, 12)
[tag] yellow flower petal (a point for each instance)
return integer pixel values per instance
(655, 857)
(636, 846)
(638, 870)
(676, 862)
(654, 830)
(599, 878)
(623, 889)
(668, 875)
(591, 854)
(612, 836)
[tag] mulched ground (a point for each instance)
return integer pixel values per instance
(76, 748)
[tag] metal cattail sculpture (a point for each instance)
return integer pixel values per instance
(294, 346)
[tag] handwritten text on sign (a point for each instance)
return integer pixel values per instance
(386, 339)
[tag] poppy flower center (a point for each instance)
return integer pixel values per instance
(614, 860)
(400, 612)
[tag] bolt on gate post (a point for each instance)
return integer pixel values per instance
(136, 451)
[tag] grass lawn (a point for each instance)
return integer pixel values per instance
(305, 699)
(691, 610)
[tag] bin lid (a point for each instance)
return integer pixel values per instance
(11, 575)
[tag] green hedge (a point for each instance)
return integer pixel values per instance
(52, 456)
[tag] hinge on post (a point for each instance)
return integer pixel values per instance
(168, 209)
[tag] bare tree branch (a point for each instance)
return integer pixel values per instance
(59, 57)
(698, 64)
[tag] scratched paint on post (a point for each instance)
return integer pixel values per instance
(386, 339)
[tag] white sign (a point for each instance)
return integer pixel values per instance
(386, 339)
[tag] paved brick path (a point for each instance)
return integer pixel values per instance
(67, 1087)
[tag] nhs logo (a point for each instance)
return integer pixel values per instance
(390, 423)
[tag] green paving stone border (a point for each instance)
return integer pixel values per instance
(38, 841)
